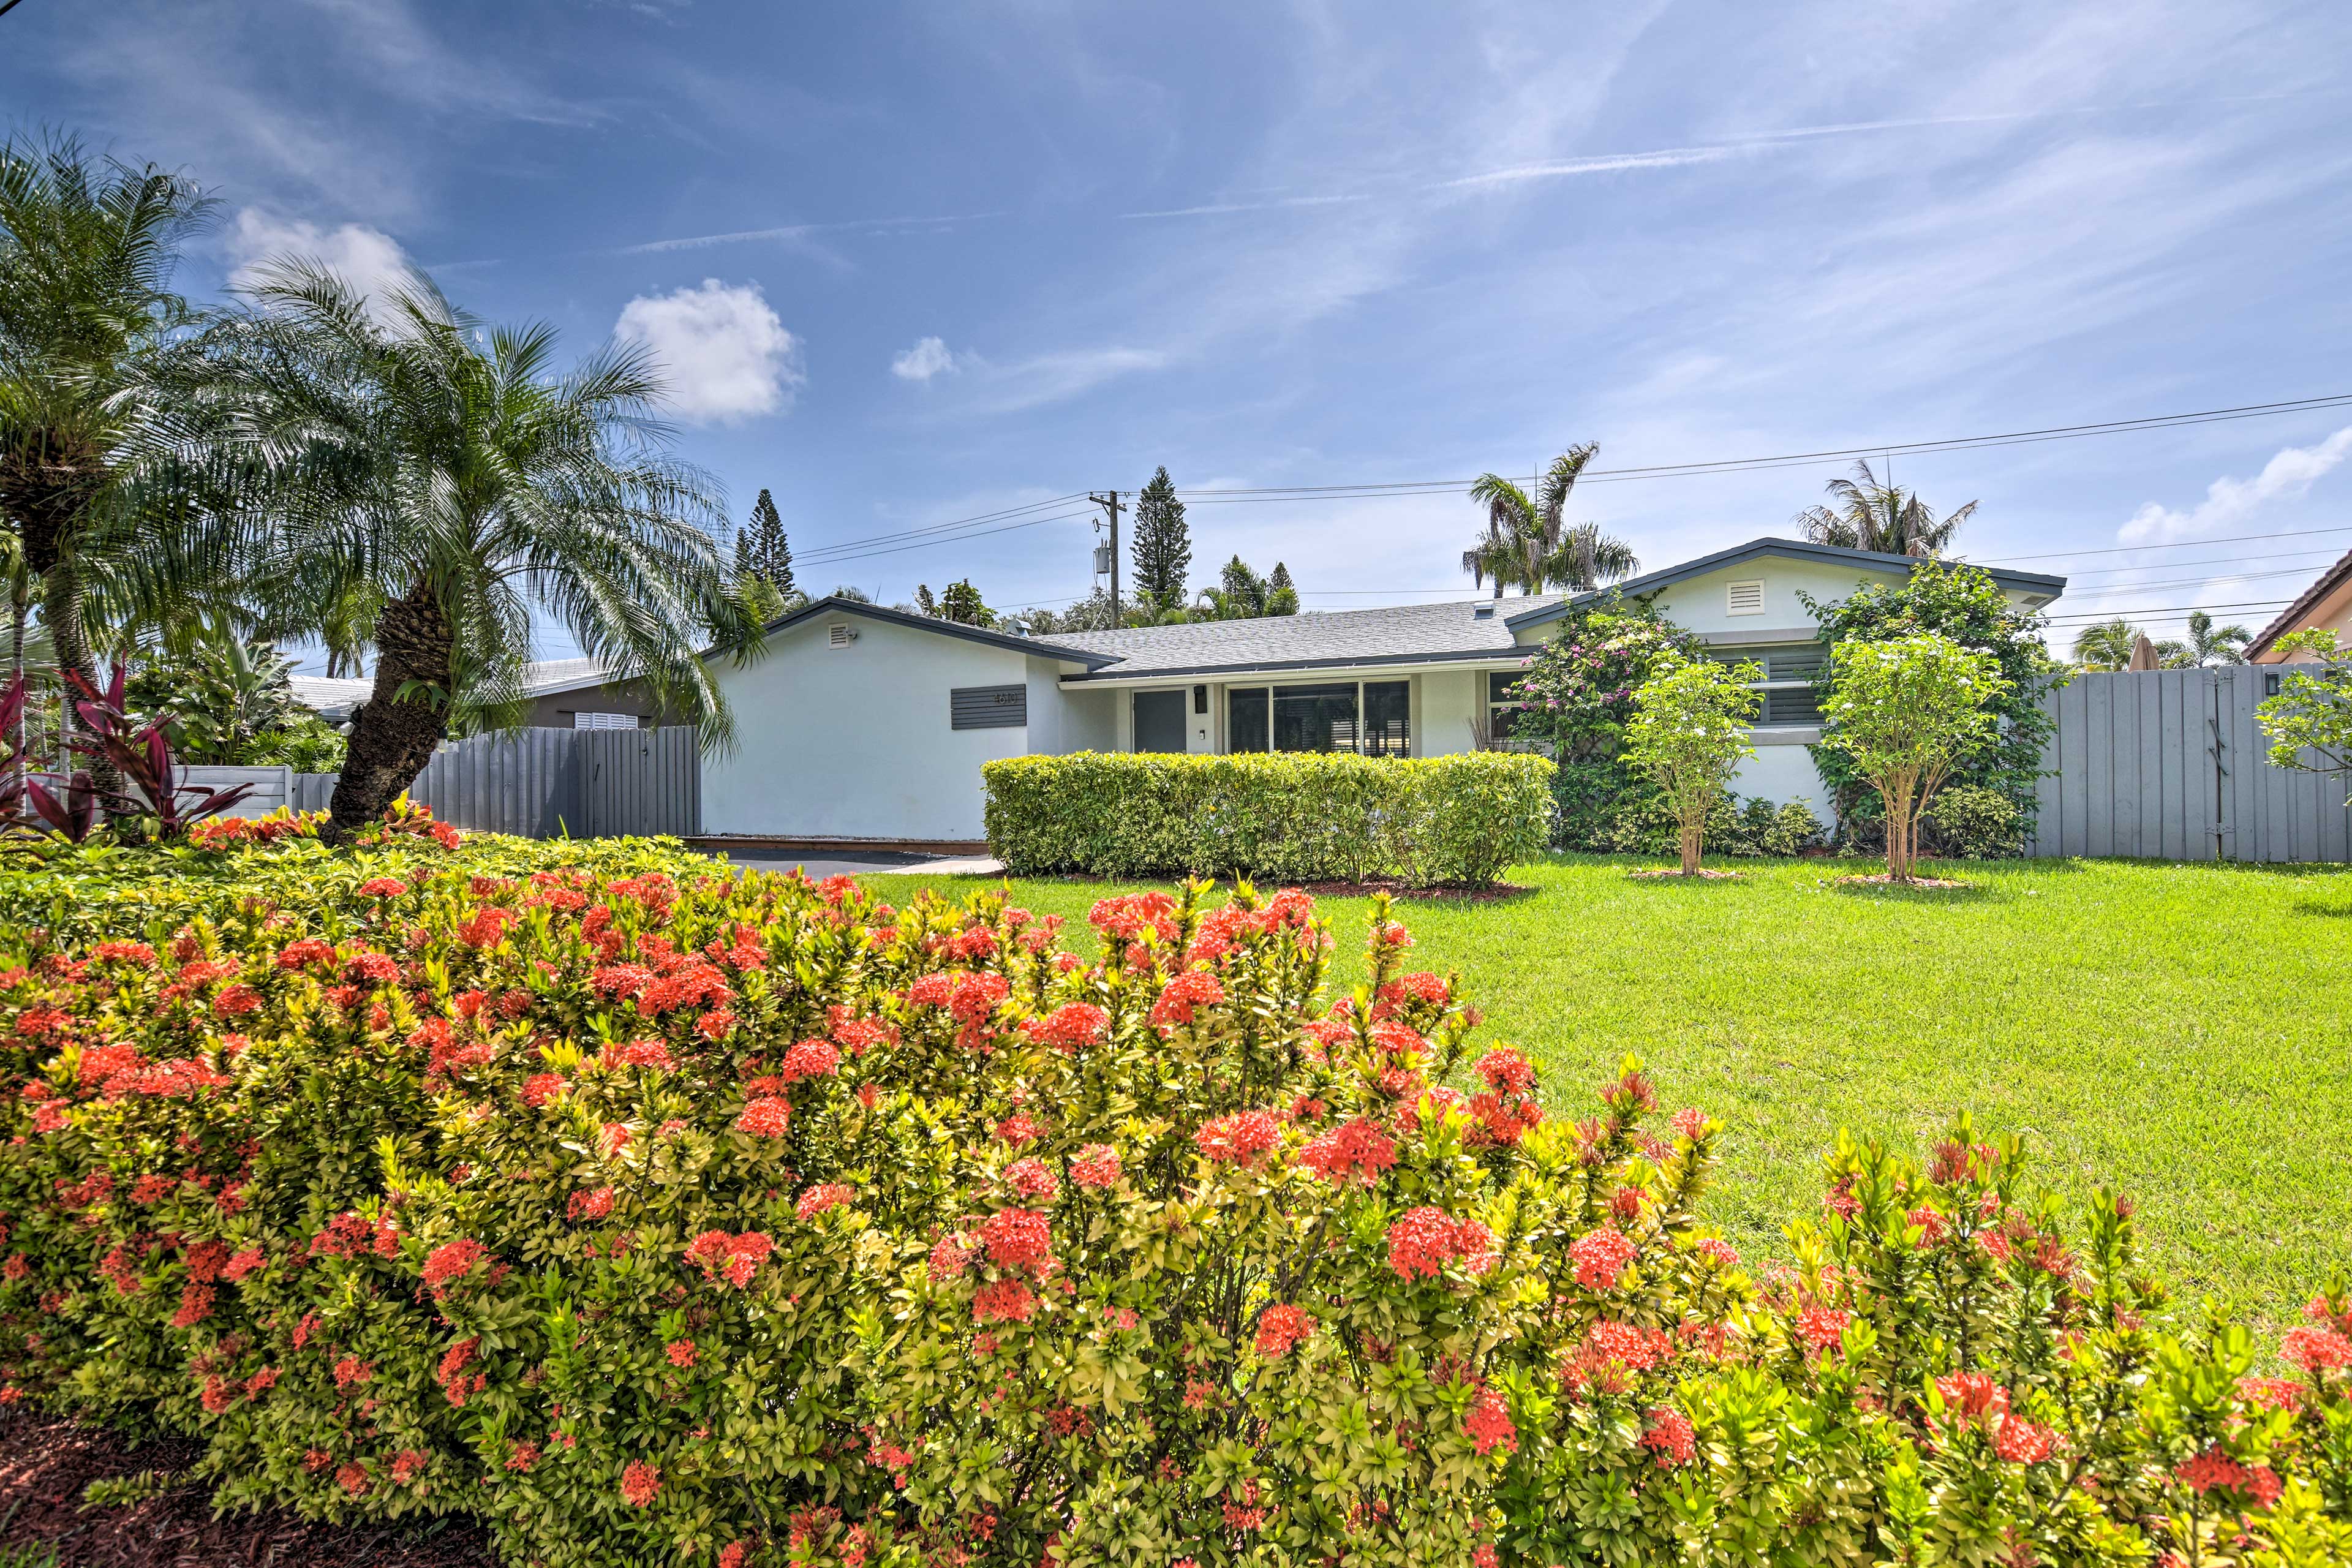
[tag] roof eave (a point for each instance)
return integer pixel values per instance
(1034, 647)
(1300, 665)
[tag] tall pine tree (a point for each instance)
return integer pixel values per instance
(763, 551)
(1281, 593)
(1163, 546)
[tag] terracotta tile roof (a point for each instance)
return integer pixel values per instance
(2324, 584)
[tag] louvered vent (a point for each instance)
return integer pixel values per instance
(839, 636)
(1746, 599)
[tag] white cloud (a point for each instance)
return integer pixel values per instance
(2229, 501)
(369, 259)
(724, 350)
(927, 358)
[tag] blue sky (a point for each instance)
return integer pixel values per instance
(913, 263)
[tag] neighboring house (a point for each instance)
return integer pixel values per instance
(2325, 606)
(864, 722)
(566, 694)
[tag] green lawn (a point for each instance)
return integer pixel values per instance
(2179, 1031)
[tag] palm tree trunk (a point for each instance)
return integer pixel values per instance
(61, 609)
(20, 596)
(392, 736)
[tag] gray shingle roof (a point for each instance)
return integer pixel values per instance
(332, 698)
(1398, 634)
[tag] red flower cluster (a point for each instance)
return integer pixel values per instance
(818, 1199)
(594, 1205)
(1425, 1239)
(1357, 1150)
(681, 1352)
(1193, 988)
(1822, 1327)
(809, 1059)
(451, 1262)
(1096, 1165)
(2213, 1469)
(1600, 1257)
(1070, 1029)
(735, 1258)
(1670, 1435)
(541, 1086)
(1488, 1423)
(1018, 1238)
(1032, 1179)
(1135, 917)
(1280, 1327)
(640, 1482)
(766, 1117)
(2317, 1350)
(1242, 1138)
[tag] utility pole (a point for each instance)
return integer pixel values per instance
(1109, 503)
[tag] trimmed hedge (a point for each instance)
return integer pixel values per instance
(1288, 816)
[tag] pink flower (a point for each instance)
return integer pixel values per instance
(1003, 1301)
(541, 1086)
(2317, 1350)
(810, 1059)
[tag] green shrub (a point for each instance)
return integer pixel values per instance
(1289, 816)
(1792, 831)
(1970, 822)
(706, 1219)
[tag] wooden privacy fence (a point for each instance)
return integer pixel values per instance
(590, 783)
(2171, 764)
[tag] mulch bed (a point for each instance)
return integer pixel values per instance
(45, 1462)
(1701, 875)
(1883, 880)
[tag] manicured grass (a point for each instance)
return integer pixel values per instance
(2181, 1032)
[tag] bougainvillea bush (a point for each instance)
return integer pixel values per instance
(676, 1217)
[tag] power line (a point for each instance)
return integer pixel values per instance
(1369, 490)
(824, 551)
(2100, 591)
(817, 560)
(2119, 612)
(2173, 544)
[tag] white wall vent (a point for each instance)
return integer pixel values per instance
(1745, 599)
(839, 634)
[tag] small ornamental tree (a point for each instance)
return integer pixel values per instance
(1578, 694)
(1906, 712)
(1689, 733)
(2312, 711)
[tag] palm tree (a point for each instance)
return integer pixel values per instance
(2208, 644)
(1870, 513)
(90, 482)
(448, 472)
(2108, 644)
(1527, 544)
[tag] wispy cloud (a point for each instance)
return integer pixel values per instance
(789, 232)
(2227, 501)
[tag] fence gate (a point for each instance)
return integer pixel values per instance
(2171, 764)
(537, 783)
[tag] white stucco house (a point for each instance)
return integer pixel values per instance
(860, 723)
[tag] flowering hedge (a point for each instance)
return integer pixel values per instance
(1292, 816)
(680, 1217)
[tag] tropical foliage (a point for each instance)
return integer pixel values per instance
(655, 1216)
(1906, 712)
(454, 471)
(1867, 512)
(1241, 594)
(2309, 723)
(764, 555)
(1689, 735)
(1965, 605)
(1527, 545)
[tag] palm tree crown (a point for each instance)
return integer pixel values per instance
(1867, 512)
(2208, 644)
(1526, 542)
(446, 475)
(90, 487)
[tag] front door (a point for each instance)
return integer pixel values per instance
(1160, 721)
